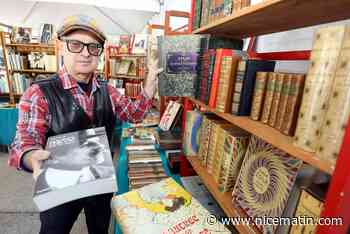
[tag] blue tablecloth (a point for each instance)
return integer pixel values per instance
(8, 121)
(122, 170)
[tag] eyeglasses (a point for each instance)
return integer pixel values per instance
(75, 46)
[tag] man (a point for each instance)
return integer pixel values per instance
(73, 100)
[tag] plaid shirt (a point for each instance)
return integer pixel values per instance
(34, 117)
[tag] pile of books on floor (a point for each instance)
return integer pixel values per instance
(144, 166)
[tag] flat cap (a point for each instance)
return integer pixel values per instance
(80, 22)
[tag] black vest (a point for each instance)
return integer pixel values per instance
(68, 116)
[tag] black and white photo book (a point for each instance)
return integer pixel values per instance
(80, 165)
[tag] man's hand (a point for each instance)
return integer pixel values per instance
(152, 77)
(34, 160)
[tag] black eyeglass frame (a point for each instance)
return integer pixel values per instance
(82, 48)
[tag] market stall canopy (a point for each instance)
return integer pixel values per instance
(114, 16)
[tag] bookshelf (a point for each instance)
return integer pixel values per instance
(21, 49)
(271, 16)
(113, 58)
(272, 136)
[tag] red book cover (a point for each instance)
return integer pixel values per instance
(193, 7)
(216, 75)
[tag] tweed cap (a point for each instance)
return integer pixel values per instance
(80, 22)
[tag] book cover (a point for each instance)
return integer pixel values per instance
(270, 87)
(170, 115)
(276, 98)
(124, 67)
(318, 84)
(293, 104)
(252, 67)
(308, 206)
(80, 165)
(259, 95)
(191, 135)
(332, 130)
(238, 84)
(205, 12)
(265, 181)
(181, 63)
(139, 45)
(282, 106)
(164, 207)
(212, 57)
(124, 44)
(226, 83)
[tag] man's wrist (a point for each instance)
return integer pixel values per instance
(24, 161)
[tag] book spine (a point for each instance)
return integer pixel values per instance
(238, 86)
(259, 94)
(217, 158)
(224, 95)
(215, 79)
(204, 136)
(210, 74)
(270, 87)
(283, 101)
(318, 85)
(276, 98)
(338, 111)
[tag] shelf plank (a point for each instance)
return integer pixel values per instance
(33, 71)
(273, 16)
(223, 199)
(126, 77)
(127, 55)
(30, 45)
(272, 136)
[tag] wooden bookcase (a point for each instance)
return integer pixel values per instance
(125, 78)
(272, 16)
(23, 49)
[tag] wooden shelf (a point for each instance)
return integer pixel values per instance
(272, 136)
(31, 45)
(126, 77)
(224, 199)
(127, 55)
(278, 15)
(33, 71)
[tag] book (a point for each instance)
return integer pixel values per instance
(181, 63)
(238, 84)
(226, 83)
(170, 115)
(46, 33)
(318, 84)
(308, 206)
(332, 130)
(80, 165)
(282, 106)
(270, 87)
(163, 207)
(124, 44)
(276, 98)
(293, 104)
(252, 66)
(124, 66)
(191, 135)
(265, 181)
(259, 95)
(139, 45)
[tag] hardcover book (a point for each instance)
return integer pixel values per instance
(276, 98)
(282, 106)
(80, 165)
(124, 44)
(191, 135)
(293, 104)
(139, 45)
(259, 95)
(268, 97)
(265, 181)
(238, 84)
(252, 67)
(164, 207)
(170, 115)
(181, 63)
(318, 84)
